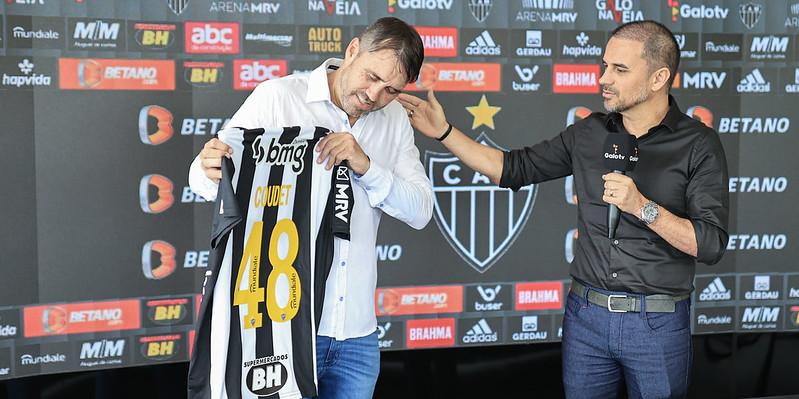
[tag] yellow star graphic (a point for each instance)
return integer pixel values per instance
(483, 113)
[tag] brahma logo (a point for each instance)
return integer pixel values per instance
(439, 41)
(168, 312)
(163, 122)
(160, 347)
(247, 74)
(165, 254)
(203, 74)
(79, 318)
(457, 77)
(162, 187)
(431, 5)
(419, 300)
(547, 11)
(116, 74)
(460, 194)
(335, 7)
(212, 37)
(154, 36)
(430, 333)
(539, 295)
(575, 78)
(324, 39)
(618, 11)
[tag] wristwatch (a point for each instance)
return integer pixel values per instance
(649, 212)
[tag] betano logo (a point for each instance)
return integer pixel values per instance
(116, 74)
(164, 254)
(765, 184)
(77, 318)
(163, 123)
(419, 300)
(163, 189)
(443, 76)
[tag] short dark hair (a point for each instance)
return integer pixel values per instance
(390, 33)
(660, 46)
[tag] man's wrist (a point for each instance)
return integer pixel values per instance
(444, 135)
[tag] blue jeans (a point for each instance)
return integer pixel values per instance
(650, 352)
(347, 369)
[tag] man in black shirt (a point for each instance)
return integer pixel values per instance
(627, 316)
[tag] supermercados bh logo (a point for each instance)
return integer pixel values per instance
(618, 11)
(547, 11)
(159, 348)
(202, 74)
(153, 36)
(267, 375)
(479, 219)
(167, 312)
(714, 288)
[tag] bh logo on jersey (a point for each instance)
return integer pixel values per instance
(479, 219)
(267, 375)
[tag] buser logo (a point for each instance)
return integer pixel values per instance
(163, 187)
(163, 120)
(290, 154)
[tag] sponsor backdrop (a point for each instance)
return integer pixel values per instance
(104, 104)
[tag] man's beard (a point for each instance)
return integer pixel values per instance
(639, 98)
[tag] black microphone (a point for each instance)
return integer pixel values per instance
(621, 155)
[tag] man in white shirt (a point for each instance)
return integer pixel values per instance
(355, 98)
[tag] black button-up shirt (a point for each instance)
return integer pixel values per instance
(681, 166)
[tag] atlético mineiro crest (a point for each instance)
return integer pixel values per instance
(177, 6)
(479, 219)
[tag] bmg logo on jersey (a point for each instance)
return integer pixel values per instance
(479, 220)
(163, 189)
(279, 154)
(164, 252)
(162, 131)
(267, 375)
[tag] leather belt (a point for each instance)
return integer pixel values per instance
(628, 303)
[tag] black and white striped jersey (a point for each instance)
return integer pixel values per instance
(276, 215)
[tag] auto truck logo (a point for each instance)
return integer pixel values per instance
(479, 220)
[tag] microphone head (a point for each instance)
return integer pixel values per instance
(621, 152)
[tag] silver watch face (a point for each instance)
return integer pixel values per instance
(649, 212)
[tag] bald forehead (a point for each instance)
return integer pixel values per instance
(624, 51)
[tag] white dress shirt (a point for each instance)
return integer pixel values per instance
(395, 184)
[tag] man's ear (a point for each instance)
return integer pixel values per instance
(660, 78)
(353, 48)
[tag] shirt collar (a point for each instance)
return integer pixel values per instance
(613, 121)
(318, 90)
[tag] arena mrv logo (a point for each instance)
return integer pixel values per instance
(479, 219)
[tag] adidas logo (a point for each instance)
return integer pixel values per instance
(480, 332)
(754, 82)
(483, 45)
(715, 291)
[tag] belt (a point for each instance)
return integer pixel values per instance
(660, 303)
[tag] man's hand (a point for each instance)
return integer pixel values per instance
(211, 158)
(620, 190)
(425, 116)
(338, 147)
